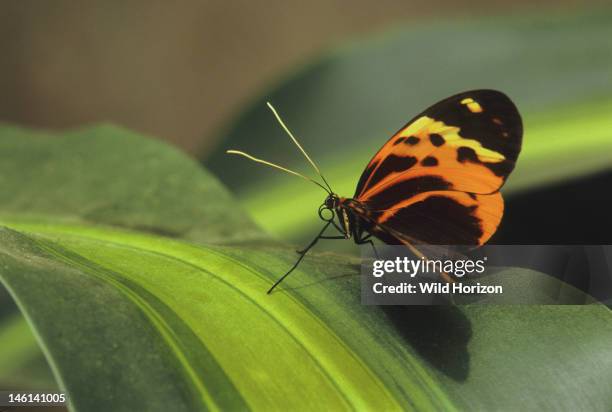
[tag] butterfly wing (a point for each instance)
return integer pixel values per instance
(437, 178)
(437, 217)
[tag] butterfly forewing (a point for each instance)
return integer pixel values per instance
(437, 178)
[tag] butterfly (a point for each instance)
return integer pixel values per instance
(435, 181)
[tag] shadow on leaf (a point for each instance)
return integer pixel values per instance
(439, 334)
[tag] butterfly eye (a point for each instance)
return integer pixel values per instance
(326, 213)
(331, 202)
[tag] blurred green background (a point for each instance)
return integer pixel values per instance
(345, 75)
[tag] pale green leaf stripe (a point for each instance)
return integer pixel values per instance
(135, 294)
(52, 258)
(319, 342)
(396, 361)
(120, 252)
(423, 379)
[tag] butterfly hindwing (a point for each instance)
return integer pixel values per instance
(438, 217)
(437, 178)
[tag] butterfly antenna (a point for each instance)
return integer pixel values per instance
(314, 165)
(284, 169)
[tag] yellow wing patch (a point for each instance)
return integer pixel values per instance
(425, 126)
(472, 105)
(415, 141)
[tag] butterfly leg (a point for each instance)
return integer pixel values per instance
(302, 254)
(367, 240)
(338, 228)
(305, 250)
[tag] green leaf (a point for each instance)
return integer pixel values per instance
(345, 105)
(134, 320)
(111, 176)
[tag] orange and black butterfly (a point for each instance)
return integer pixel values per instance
(435, 181)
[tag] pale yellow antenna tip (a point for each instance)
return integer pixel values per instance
(274, 165)
(299, 146)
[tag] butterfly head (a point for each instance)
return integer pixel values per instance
(332, 201)
(327, 210)
(336, 206)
